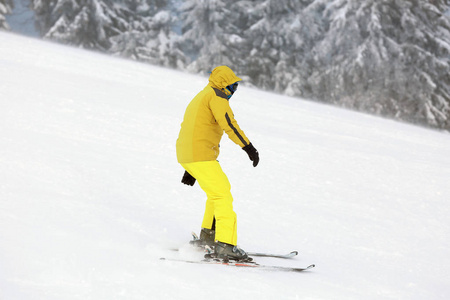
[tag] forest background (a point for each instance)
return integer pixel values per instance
(385, 57)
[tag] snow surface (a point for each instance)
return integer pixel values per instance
(90, 192)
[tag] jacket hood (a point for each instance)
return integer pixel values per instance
(222, 76)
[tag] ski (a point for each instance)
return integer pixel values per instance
(285, 256)
(250, 264)
(258, 254)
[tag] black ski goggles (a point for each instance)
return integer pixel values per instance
(232, 87)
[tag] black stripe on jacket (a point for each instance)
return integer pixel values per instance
(235, 130)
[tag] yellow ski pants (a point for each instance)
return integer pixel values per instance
(219, 203)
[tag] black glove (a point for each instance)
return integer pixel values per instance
(188, 179)
(252, 154)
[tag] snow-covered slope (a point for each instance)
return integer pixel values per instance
(90, 192)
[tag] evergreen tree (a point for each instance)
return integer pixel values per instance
(138, 29)
(274, 40)
(303, 32)
(5, 8)
(264, 43)
(84, 23)
(150, 37)
(211, 33)
(386, 57)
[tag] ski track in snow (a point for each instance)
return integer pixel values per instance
(90, 192)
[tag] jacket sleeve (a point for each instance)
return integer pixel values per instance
(224, 116)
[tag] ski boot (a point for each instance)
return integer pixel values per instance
(228, 252)
(206, 239)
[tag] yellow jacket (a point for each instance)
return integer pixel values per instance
(207, 116)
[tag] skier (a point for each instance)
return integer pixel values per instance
(207, 116)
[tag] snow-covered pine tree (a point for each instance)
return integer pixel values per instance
(266, 42)
(422, 91)
(293, 31)
(138, 29)
(263, 44)
(241, 16)
(5, 8)
(386, 57)
(211, 33)
(84, 23)
(303, 30)
(150, 37)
